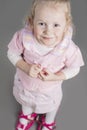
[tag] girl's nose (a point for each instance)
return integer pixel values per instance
(48, 30)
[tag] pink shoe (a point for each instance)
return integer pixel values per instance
(31, 119)
(41, 124)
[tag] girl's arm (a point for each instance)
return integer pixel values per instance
(67, 73)
(17, 60)
(22, 65)
(64, 74)
(70, 72)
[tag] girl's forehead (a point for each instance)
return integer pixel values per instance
(49, 10)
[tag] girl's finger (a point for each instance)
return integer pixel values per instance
(40, 77)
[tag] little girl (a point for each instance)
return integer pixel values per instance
(44, 54)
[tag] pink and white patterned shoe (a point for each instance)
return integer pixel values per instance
(30, 121)
(42, 123)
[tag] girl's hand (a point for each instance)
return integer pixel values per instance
(34, 70)
(30, 69)
(46, 75)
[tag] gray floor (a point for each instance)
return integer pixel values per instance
(72, 114)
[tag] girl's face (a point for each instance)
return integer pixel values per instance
(49, 24)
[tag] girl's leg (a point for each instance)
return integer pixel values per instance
(23, 119)
(26, 111)
(50, 117)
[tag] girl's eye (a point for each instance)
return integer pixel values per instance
(56, 25)
(42, 24)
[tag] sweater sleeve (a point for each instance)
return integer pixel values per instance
(13, 57)
(70, 72)
(73, 62)
(15, 48)
(74, 57)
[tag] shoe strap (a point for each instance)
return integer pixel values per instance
(48, 125)
(30, 117)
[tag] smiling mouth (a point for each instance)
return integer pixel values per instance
(47, 38)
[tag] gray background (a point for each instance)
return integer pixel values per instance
(72, 114)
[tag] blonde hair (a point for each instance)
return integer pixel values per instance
(29, 18)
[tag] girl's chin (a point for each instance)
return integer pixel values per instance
(49, 44)
(46, 44)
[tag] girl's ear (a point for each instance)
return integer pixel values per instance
(31, 22)
(69, 31)
(65, 31)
